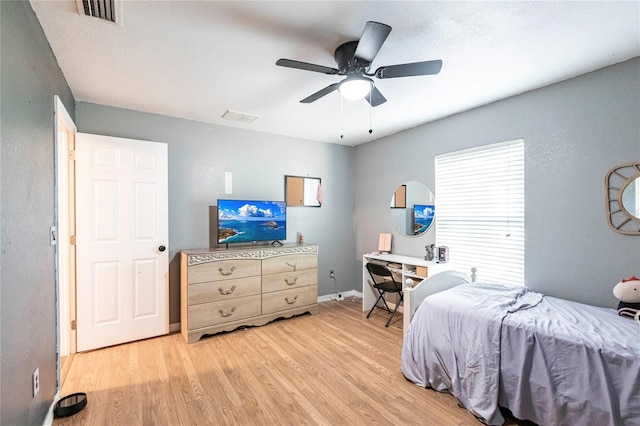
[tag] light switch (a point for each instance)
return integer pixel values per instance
(53, 236)
(227, 183)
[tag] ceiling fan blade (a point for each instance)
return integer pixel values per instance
(376, 97)
(306, 66)
(320, 93)
(409, 70)
(373, 37)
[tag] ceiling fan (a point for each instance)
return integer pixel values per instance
(354, 59)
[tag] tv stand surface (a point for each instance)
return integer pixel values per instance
(224, 289)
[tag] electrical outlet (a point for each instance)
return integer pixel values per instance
(331, 274)
(35, 378)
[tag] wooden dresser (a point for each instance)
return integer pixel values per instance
(223, 289)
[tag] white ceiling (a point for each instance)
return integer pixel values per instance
(198, 59)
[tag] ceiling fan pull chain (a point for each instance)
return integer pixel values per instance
(370, 114)
(341, 117)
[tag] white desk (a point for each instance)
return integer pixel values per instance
(407, 268)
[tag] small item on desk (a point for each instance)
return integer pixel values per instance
(384, 243)
(408, 283)
(430, 252)
(300, 238)
(442, 255)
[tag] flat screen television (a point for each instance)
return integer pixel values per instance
(243, 221)
(423, 215)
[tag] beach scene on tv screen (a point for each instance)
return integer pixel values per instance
(245, 221)
(423, 216)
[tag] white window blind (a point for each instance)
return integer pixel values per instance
(480, 210)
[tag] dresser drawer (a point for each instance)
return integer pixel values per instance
(289, 299)
(223, 290)
(289, 263)
(214, 313)
(224, 270)
(287, 280)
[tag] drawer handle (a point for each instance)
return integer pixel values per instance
(291, 302)
(225, 292)
(223, 272)
(292, 265)
(224, 315)
(289, 282)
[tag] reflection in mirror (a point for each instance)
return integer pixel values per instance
(303, 191)
(630, 197)
(418, 211)
(399, 200)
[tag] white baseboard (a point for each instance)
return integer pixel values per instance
(48, 421)
(344, 294)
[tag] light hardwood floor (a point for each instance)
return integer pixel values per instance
(333, 368)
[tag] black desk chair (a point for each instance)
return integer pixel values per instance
(384, 282)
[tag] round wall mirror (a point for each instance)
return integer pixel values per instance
(630, 198)
(622, 184)
(412, 208)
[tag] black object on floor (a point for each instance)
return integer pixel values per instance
(70, 405)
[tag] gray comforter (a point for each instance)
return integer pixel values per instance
(548, 360)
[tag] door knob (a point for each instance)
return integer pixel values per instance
(162, 248)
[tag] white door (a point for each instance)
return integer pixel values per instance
(121, 240)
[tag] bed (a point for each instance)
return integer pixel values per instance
(547, 360)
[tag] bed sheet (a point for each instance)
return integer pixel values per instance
(548, 360)
(453, 343)
(569, 363)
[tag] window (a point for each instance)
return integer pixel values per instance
(480, 210)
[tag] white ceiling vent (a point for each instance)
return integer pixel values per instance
(108, 10)
(240, 116)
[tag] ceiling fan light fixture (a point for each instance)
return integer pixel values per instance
(355, 88)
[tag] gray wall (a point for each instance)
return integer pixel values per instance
(200, 154)
(30, 79)
(574, 133)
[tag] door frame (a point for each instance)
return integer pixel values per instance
(64, 205)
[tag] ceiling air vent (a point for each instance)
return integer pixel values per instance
(109, 10)
(239, 116)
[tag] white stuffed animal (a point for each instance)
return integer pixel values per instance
(628, 293)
